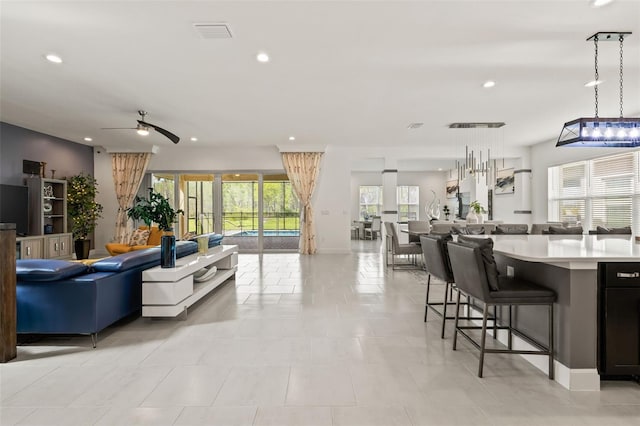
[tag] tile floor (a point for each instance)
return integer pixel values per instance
(296, 340)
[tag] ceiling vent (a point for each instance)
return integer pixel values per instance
(213, 31)
(415, 125)
(488, 125)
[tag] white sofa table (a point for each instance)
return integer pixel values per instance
(168, 292)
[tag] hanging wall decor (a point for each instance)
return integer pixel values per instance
(505, 180)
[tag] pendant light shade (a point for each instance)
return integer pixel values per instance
(603, 132)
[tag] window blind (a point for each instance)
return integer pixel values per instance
(599, 192)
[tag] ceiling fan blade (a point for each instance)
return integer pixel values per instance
(171, 136)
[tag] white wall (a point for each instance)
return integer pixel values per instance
(426, 181)
(331, 197)
(331, 203)
(336, 201)
(102, 171)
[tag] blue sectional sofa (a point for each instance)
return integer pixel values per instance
(63, 297)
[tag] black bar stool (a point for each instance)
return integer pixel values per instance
(437, 264)
(476, 275)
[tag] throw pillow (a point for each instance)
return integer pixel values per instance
(188, 236)
(486, 250)
(562, 230)
(139, 237)
(465, 230)
(604, 230)
(517, 229)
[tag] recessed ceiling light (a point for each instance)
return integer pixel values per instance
(489, 83)
(262, 57)
(88, 139)
(194, 139)
(52, 57)
(600, 3)
(237, 175)
(439, 169)
(292, 138)
(593, 83)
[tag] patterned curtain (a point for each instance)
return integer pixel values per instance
(128, 171)
(302, 169)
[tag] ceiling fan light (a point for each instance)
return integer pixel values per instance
(143, 131)
(52, 57)
(600, 3)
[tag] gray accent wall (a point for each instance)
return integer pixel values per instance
(65, 157)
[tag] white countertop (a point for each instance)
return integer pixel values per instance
(572, 251)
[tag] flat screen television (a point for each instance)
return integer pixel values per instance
(14, 207)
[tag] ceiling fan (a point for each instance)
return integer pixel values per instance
(143, 128)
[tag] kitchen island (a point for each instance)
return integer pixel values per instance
(567, 264)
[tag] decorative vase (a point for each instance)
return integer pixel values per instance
(168, 251)
(472, 217)
(82, 248)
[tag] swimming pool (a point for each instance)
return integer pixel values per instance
(282, 233)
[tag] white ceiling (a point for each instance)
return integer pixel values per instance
(341, 73)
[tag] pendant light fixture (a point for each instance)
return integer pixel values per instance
(597, 131)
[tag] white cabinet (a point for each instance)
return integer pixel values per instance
(167, 292)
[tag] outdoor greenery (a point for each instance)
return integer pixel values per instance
(281, 208)
(82, 208)
(155, 209)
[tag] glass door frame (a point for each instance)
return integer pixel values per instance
(217, 198)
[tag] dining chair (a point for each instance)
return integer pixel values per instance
(375, 228)
(421, 226)
(411, 250)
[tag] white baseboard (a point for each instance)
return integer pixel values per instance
(576, 379)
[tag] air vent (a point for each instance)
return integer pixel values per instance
(213, 31)
(415, 125)
(476, 125)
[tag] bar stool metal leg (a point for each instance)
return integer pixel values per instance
(444, 308)
(485, 314)
(510, 337)
(551, 366)
(455, 324)
(426, 302)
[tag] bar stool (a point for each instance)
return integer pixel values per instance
(476, 275)
(437, 264)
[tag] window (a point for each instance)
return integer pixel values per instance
(370, 201)
(600, 192)
(408, 198)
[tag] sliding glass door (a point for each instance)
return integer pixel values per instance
(256, 211)
(260, 212)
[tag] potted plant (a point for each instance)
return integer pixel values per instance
(156, 209)
(83, 211)
(475, 212)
